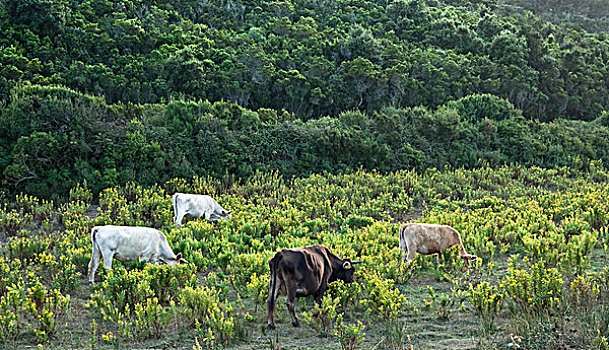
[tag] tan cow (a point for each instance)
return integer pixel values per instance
(127, 243)
(427, 239)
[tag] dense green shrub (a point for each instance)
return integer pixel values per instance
(75, 139)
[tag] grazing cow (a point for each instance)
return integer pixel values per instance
(430, 239)
(197, 205)
(301, 272)
(127, 243)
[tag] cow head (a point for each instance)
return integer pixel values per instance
(172, 261)
(226, 215)
(345, 270)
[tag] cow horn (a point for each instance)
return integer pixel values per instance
(357, 262)
(346, 265)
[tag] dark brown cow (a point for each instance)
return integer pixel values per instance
(301, 272)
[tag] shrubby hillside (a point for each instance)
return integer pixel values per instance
(56, 137)
(313, 58)
(144, 90)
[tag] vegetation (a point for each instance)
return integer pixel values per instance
(541, 235)
(313, 58)
(145, 91)
(314, 122)
(57, 138)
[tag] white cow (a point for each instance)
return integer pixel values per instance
(127, 243)
(197, 205)
(429, 239)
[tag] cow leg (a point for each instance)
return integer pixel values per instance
(93, 264)
(403, 258)
(438, 258)
(410, 257)
(291, 298)
(407, 259)
(317, 296)
(179, 217)
(107, 255)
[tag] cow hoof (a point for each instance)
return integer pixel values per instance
(270, 327)
(296, 324)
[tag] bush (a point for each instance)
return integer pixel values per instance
(125, 289)
(322, 316)
(444, 305)
(46, 306)
(349, 335)
(381, 299)
(486, 300)
(166, 281)
(212, 316)
(151, 318)
(533, 292)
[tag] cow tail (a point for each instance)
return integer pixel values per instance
(401, 239)
(174, 200)
(94, 244)
(273, 263)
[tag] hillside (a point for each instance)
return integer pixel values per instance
(313, 58)
(110, 92)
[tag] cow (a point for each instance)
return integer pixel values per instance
(300, 272)
(127, 243)
(427, 239)
(197, 205)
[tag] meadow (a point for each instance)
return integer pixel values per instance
(541, 282)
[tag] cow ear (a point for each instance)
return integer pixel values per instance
(347, 265)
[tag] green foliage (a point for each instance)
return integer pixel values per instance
(349, 335)
(533, 292)
(11, 223)
(61, 271)
(212, 316)
(445, 305)
(46, 306)
(151, 318)
(166, 281)
(486, 300)
(10, 307)
(382, 300)
(258, 288)
(106, 94)
(307, 59)
(125, 289)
